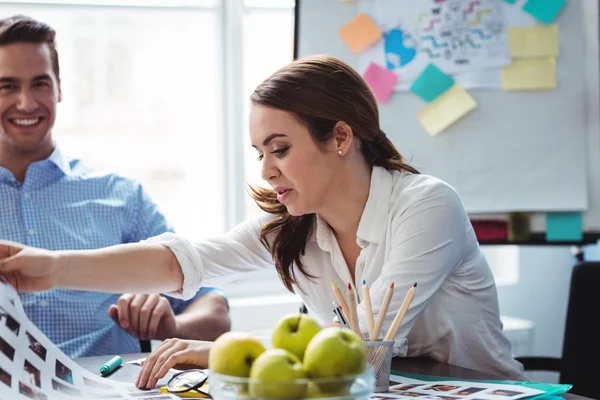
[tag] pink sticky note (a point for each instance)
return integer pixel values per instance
(381, 81)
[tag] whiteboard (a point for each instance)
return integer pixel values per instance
(518, 151)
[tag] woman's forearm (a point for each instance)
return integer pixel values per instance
(134, 268)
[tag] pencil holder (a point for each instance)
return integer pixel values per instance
(379, 356)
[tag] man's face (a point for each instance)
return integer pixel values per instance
(29, 92)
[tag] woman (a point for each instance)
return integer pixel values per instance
(343, 206)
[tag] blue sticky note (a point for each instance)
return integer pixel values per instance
(431, 83)
(563, 226)
(544, 10)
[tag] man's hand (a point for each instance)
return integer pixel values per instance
(28, 269)
(144, 316)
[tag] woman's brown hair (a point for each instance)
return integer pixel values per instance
(320, 91)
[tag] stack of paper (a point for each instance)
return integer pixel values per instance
(32, 367)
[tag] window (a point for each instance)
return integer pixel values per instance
(268, 46)
(142, 96)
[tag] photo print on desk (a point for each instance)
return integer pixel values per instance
(36, 346)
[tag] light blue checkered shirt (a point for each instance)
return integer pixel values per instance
(64, 205)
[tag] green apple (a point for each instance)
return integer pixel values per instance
(233, 353)
(274, 375)
(293, 333)
(335, 353)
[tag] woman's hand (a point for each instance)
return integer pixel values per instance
(28, 269)
(169, 354)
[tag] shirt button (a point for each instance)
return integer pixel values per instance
(362, 243)
(362, 264)
(43, 303)
(31, 232)
(26, 195)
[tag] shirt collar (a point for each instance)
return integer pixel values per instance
(62, 162)
(56, 158)
(373, 217)
(376, 210)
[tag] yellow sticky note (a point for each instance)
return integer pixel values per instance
(533, 42)
(448, 108)
(529, 74)
(360, 33)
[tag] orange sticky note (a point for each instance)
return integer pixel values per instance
(360, 33)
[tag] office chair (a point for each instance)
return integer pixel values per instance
(580, 361)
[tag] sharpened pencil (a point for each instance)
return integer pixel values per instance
(340, 298)
(410, 295)
(368, 308)
(382, 311)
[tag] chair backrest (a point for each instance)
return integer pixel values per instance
(581, 346)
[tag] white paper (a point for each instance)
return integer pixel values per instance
(32, 367)
(449, 390)
(458, 36)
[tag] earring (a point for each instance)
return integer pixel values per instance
(340, 152)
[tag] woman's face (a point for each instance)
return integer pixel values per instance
(302, 173)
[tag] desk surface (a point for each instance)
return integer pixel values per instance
(129, 373)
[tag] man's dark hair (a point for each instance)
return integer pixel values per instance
(23, 29)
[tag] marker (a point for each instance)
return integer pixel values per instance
(110, 366)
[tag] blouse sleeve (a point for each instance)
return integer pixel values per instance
(427, 243)
(214, 262)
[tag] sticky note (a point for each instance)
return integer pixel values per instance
(544, 10)
(451, 106)
(431, 83)
(533, 41)
(563, 226)
(360, 33)
(529, 74)
(511, 1)
(381, 81)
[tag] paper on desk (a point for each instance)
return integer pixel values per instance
(139, 361)
(451, 106)
(360, 33)
(529, 74)
(32, 367)
(447, 388)
(533, 41)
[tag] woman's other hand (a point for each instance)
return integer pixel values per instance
(170, 353)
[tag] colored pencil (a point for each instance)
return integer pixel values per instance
(340, 298)
(368, 308)
(352, 308)
(410, 295)
(382, 311)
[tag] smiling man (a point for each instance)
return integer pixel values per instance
(51, 201)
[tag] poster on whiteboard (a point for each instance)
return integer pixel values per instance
(460, 37)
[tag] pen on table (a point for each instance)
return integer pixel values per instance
(111, 365)
(352, 311)
(391, 333)
(382, 311)
(340, 298)
(368, 308)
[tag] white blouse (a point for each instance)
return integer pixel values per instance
(413, 229)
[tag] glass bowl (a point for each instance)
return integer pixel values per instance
(225, 387)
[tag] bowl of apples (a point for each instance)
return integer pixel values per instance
(305, 362)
